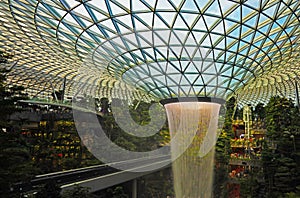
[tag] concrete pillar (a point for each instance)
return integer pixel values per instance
(134, 188)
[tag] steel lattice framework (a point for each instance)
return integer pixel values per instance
(155, 49)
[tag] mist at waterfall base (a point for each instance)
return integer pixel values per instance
(195, 125)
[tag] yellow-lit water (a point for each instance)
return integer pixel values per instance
(193, 127)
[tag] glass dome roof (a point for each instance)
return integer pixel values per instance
(163, 49)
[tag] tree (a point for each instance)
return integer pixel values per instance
(117, 192)
(139, 112)
(13, 147)
(279, 155)
(13, 150)
(49, 190)
(9, 95)
(222, 151)
(77, 192)
(259, 111)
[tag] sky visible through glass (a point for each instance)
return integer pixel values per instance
(171, 48)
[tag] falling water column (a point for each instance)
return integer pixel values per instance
(193, 127)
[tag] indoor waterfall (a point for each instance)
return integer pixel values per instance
(195, 126)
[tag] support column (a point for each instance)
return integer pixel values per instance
(134, 188)
(297, 95)
(63, 89)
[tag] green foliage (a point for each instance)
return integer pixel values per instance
(49, 190)
(57, 146)
(139, 112)
(278, 116)
(230, 110)
(13, 148)
(250, 186)
(291, 195)
(279, 155)
(70, 163)
(223, 150)
(259, 111)
(9, 95)
(157, 184)
(77, 192)
(116, 192)
(8, 99)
